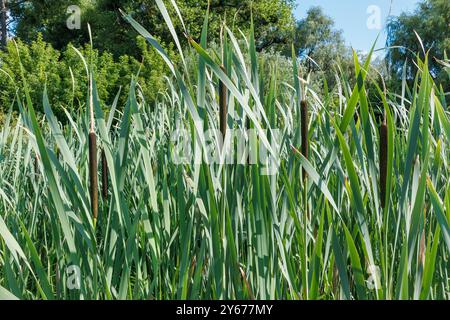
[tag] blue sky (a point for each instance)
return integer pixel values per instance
(351, 17)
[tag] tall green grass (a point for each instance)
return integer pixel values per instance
(208, 231)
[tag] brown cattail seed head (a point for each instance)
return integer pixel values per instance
(93, 171)
(223, 92)
(383, 161)
(304, 119)
(422, 248)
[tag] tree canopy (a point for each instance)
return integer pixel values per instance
(274, 19)
(317, 38)
(321, 46)
(431, 21)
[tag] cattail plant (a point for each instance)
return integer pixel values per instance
(318, 235)
(304, 129)
(93, 169)
(223, 92)
(383, 160)
(305, 146)
(422, 248)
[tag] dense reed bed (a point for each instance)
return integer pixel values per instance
(347, 207)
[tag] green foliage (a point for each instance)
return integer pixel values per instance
(273, 18)
(317, 39)
(431, 22)
(41, 65)
(321, 47)
(64, 74)
(171, 230)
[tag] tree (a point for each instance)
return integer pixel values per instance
(273, 19)
(320, 46)
(110, 32)
(431, 21)
(3, 26)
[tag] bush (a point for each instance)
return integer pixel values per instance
(64, 73)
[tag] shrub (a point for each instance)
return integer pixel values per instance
(64, 73)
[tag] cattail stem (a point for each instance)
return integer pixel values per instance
(93, 179)
(304, 130)
(223, 93)
(104, 176)
(305, 148)
(93, 165)
(383, 161)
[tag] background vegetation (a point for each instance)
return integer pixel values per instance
(357, 208)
